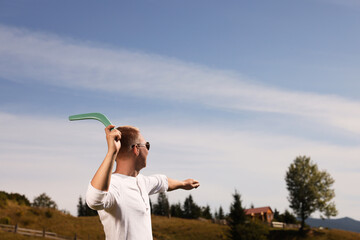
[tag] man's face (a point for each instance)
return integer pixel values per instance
(143, 152)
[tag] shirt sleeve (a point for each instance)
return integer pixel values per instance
(156, 183)
(99, 200)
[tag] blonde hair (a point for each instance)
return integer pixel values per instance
(129, 137)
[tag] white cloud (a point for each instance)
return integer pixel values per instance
(59, 157)
(31, 56)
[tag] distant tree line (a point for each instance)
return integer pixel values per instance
(20, 199)
(41, 201)
(189, 209)
(285, 217)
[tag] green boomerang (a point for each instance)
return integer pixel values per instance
(97, 116)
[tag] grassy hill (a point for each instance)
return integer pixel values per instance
(52, 220)
(163, 228)
(90, 227)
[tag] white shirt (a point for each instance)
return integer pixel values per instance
(125, 209)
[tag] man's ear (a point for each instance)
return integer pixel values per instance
(135, 150)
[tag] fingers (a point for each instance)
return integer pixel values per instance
(109, 128)
(196, 184)
(192, 183)
(113, 132)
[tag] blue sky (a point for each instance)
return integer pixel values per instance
(228, 93)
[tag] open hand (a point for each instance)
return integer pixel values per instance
(190, 184)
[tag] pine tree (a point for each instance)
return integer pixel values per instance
(236, 217)
(176, 210)
(191, 209)
(151, 206)
(221, 213)
(216, 215)
(288, 217)
(277, 216)
(240, 229)
(80, 208)
(84, 210)
(162, 207)
(206, 212)
(88, 211)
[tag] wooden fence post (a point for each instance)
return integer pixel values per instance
(43, 232)
(75, 237)
(15, 229)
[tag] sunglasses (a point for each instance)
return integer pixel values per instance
(147, 145)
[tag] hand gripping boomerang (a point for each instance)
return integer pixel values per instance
(96, 116)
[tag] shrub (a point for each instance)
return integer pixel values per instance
(18, 213)
(5, 220)
(252, 230)
(35, 211)
(20, 199)
(48, 214)
(26, 221)
(3, 199)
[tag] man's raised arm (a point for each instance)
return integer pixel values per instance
(187, 184)
(101, 179)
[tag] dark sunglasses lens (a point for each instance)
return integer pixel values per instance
(148, 145)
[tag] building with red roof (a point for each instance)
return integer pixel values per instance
(264, 214)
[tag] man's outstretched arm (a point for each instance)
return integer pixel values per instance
(187, 184)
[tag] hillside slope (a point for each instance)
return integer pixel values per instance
(163, 228)
(52, 220)
(90, 227)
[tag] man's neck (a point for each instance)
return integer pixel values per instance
(126, 167)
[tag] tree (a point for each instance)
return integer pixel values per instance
(309, 189)
(44, 201)
(80, 208)
(162, 207)
(236, 216)
(287, 217)
(88, 211)
(253, 230)
(277, 216)
(206, 212)
(151, 205)
(20, 199)
(84, 210)
(216, 215)
(240, 228)
(176, 210)
(191, 209)
(221, 213)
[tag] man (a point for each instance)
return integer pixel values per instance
(122, 197)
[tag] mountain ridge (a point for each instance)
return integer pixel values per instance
(345, 223)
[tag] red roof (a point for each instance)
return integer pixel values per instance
(257, 210)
